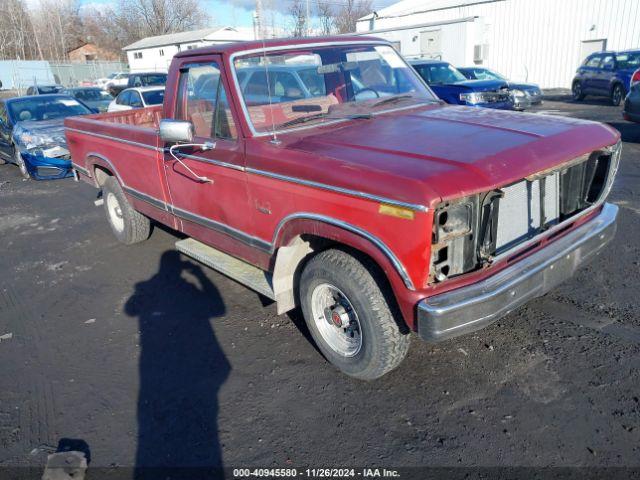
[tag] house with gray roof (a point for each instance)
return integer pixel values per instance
(155, 53)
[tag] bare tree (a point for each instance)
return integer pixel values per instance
(57, 28)
(347, 15)
(51, 28)
(15, 31)
(143, 18)
(298, 13)
(326, 17)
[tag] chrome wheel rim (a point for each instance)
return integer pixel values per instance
(336, 320)
(115, 212)
(617, 95)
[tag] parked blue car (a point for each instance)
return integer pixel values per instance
(32, 134)
(606, 74)
(524, 94)
(453, 87)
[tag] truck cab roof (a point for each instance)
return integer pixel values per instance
(235, 47)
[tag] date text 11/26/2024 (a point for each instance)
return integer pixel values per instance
(315, 473)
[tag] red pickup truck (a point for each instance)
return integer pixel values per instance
(324, 173)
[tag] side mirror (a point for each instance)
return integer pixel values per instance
(176, 131)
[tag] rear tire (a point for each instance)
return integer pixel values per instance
(128, 225)
(578, 93)
(349, 317)
(617, 95)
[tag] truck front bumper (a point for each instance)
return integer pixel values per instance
(473, 307)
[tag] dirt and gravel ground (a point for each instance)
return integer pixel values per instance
(153, 360)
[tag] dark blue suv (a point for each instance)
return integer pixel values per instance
(606, 74)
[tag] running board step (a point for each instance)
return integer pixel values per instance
(236, 269)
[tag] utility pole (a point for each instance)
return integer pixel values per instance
(260, 31)
(308, 21)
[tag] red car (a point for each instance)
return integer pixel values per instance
(361, 198)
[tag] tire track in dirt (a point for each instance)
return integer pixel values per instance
(30, 424)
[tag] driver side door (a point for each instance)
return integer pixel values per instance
(215, 211)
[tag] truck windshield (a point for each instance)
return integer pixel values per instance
(285, 88)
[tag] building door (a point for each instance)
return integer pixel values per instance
(592, 46)
(431, 44)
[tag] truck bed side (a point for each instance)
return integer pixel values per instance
(124, 143)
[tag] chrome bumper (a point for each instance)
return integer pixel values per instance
(473, 307)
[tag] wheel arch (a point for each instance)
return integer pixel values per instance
(615, 82)
(301, 236)
(101, 168)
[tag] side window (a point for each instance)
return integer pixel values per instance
(203, 101)
(593, 62)
(123, 98)
(135, 100)
(608, 62)
(224, 125)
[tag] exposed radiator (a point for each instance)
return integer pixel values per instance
(520, 215)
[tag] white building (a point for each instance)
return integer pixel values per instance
(541, 41)
(154, 54)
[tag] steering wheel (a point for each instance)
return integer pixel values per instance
(365, 89)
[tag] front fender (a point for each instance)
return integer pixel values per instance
(352, 236)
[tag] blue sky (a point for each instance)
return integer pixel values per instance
(225, 12)
(240, 12)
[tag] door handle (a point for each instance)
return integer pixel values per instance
(204, 147)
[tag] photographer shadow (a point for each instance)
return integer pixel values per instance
(182, 368)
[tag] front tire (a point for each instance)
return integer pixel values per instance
(22, 165)
(578, 93)
(128, 225)
(349, 316)
(617, 95)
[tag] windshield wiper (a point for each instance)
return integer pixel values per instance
(308, 118)
(391, 100)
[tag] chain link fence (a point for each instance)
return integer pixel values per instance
(76, 74)
(17, 75)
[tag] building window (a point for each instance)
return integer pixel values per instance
(161, 52)
(137, 55)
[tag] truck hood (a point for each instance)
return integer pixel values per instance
(427, 154)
